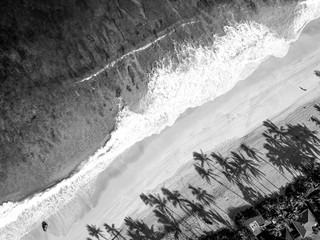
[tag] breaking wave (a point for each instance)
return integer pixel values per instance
(202, 74)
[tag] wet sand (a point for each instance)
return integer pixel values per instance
(272, 91)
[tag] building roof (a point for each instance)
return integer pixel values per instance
(288, 235)
(305, 223)
(259, 219)
(255, 228)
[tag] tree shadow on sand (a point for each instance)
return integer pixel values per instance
(248, 171)
(220, 219)
(251, 195)
(138, 229)
(238, 169)
(291, 147)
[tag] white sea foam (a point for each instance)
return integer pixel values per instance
(203, 73)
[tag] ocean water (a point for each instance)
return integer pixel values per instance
(203, 73)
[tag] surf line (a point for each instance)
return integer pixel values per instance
(109, 65)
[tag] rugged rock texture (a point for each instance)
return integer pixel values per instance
(49, 122)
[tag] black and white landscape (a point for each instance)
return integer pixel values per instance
(104, 103)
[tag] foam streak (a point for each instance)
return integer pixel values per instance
(202, 74)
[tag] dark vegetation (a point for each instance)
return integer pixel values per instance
(292, 147)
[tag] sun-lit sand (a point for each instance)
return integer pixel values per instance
(272, 91)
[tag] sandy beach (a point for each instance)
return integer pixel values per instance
(271, 92)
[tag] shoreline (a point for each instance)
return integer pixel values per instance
(115, 60)
(146, 140)
(43, 190)
(177, 30)
(185, 120)
(66, 92)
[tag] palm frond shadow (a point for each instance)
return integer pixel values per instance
(292, 147)
(249, 194)
(220, 219)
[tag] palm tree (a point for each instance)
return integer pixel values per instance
(245, 165)
(94, 231)
(147, 201)
(161, 204)
(135, 235)
(300, 202)
(202, 158)
(149, 232)
(317, 107)
(113, 231)
(129, 222)
(315, 120)
(293, 147)
(272, 128)
(304, 139)
(278, 152)
(175, 198)
(140, 230)
(204, 197)
(207, 175)
(218, 218)
(249, 164)
(252, 153)
(133, 228)
(169, 225)
(228, 169)
(222, 161)
(205, 161)
(199, 210)
(277, 230)
(201, 195)
(178, 200)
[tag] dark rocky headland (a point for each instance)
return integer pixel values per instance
(49, 121)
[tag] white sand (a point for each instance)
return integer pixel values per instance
(272, 89)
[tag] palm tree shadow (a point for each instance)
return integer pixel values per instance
(138, 229)
(277, 153)
(256, 155)
(95, 231)
(306, 139)
(227, 167)
(220, 219)
(245, 166)
(291, 147)
(249, 194)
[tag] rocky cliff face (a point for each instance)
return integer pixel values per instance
(50, 121)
